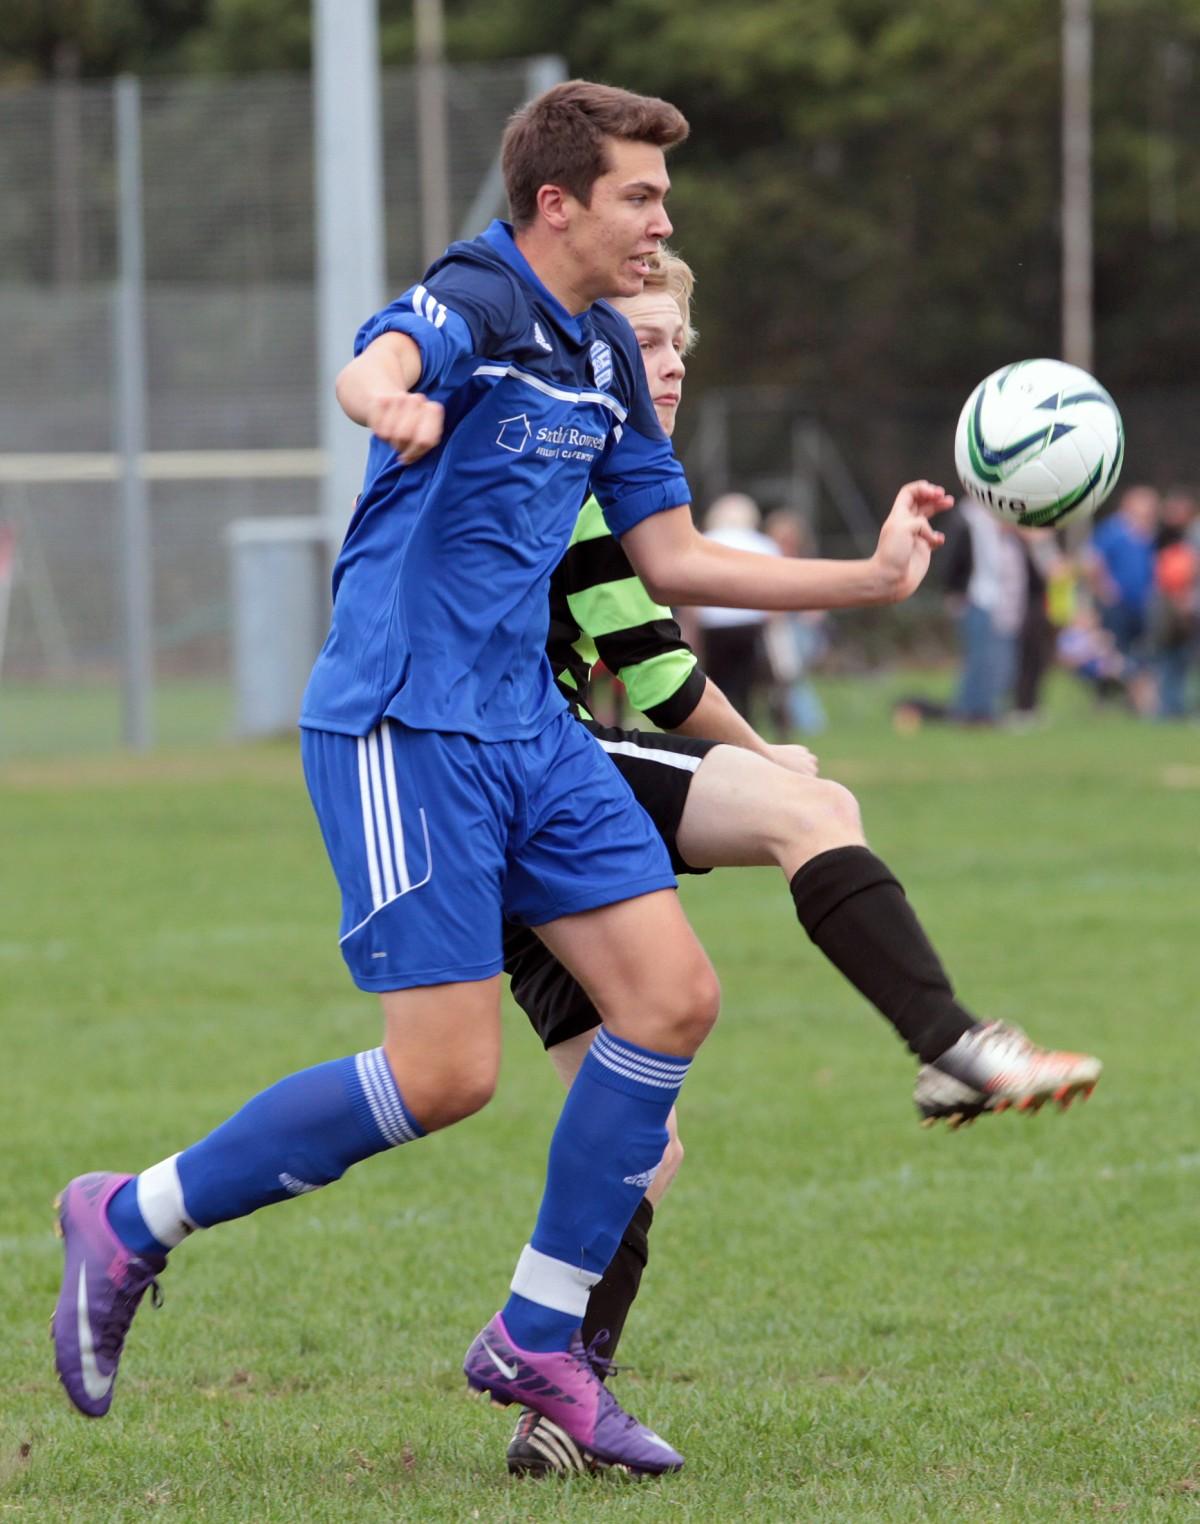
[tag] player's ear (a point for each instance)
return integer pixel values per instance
(554, 206)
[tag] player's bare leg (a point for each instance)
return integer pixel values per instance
(445, 1041)
(744, 810)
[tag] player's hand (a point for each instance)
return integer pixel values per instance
(907, 539)
(408, 421)
(797, 759)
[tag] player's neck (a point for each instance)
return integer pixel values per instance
(553, 269)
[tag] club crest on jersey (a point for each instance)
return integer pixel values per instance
(602, 364)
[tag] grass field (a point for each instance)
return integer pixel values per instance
(845, 1318)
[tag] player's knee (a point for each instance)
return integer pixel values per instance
(842, 807)
(448, 1093)
(819, 811)
(694, 1006)
(672, 1014)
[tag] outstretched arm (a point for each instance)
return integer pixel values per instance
(679, 565)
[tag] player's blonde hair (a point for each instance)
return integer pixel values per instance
(670, 273)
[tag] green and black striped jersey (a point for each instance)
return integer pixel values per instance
(600, 611)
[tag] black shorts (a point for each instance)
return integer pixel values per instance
(659, 769)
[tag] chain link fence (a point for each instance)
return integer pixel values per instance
(233, 421)
(229, 227)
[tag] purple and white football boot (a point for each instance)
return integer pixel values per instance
(103, 1282)
(562, 1385)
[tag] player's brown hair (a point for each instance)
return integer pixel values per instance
(560, 138)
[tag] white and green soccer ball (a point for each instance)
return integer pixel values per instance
(1039, 442)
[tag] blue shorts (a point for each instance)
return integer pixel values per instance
(436, 838)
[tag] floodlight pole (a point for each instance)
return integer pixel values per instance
(1077, 318)
(129, 358)
(350, 248)
(433, 149)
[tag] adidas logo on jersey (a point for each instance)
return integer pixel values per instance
(540, 339)
(643, 1181)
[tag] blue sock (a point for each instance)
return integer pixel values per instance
(299, 1135)
(604, 1153)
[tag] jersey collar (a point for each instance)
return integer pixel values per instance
(499, 238)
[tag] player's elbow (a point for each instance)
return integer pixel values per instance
(347, 392)
(666, 582)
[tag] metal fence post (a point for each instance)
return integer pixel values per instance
(129, 358)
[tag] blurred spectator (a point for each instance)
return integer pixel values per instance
(1175, 606)
(795, 642)
(986, 573)
(733, 651)
(1119, 565)
(1044, 562)
(1086, 648)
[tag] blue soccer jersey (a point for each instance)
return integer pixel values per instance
(440, 589)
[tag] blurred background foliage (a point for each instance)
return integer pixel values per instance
(870, 193)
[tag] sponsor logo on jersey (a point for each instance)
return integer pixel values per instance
(567, 443)
(514, 433)
(540, 339)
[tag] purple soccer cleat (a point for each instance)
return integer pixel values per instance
(562, 1385)
(103, 1282)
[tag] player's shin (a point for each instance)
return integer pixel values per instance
(292, 1138)
(857, 914)
(604, 1153)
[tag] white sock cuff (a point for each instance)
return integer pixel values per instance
(160, 1201)
(552, 1282)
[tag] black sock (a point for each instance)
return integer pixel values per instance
(856, 913)
(613, 1294)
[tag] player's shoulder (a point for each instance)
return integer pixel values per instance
(615, 328)
(472, 267)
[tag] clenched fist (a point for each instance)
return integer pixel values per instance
(408, 421)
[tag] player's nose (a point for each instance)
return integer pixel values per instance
(660, 225)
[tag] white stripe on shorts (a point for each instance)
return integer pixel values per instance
(383, 827)
(368, 817)
(393, 799)
(683, 760)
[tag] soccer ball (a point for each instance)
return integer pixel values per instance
(1039, 442)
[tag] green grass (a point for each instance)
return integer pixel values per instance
(845, 1318)
(79, 719)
